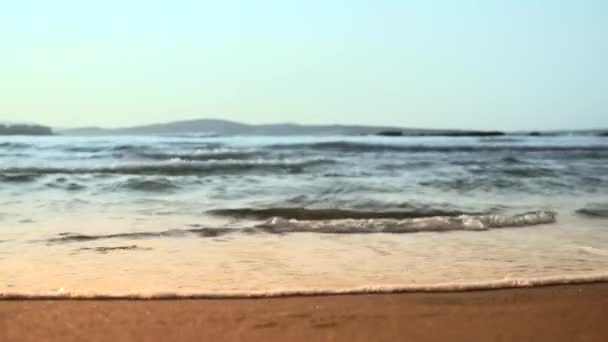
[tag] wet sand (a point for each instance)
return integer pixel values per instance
(555, 313)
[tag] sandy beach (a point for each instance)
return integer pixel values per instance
(554, 313)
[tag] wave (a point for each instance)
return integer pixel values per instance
(201, 232)
(157, 154)
(334, 214)
(500, 140)
(516, 172)
(408, 225)
(19, 177)
(196, 144)
(179, 167)
(278, 225)
(71, 186)
(512, 160)
(331, 198)
(593, 251)
(97, 149)
(129, 147)
(134, 148)
(515, 181)
(594, 210)
(507, 283)
(345, 146)
(85, 149)
(104, 249)
(200, 156)
(148, 185)
(14, 146)
(196, 135)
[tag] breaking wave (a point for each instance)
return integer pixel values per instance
(278, 225)
(334, 214)
(409, 225)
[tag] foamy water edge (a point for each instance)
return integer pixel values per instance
(63, 294)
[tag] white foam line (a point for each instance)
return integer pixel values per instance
(374, 289)
(410, 225)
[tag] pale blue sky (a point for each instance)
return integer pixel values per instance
(514, 64)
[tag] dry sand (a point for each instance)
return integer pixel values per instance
(557, 313)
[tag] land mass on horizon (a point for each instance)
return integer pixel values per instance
(227, 127)
(24, 129)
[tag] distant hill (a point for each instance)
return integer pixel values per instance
(225, 127)
(24, 129)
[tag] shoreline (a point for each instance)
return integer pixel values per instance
(505, 284)
(574, 312)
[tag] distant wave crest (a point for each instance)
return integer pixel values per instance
(18, 177)
(179, 167)
(347, 146)
(14, 146)
(200, 155)
(148, 184)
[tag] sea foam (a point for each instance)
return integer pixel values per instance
(506, 283)
(425, 224)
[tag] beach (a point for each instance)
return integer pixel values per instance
(303, 171)
(338, 238)
(552, 313)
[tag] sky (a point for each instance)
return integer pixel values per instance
(518, 64)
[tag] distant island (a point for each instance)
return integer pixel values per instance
(22, 129)
(217, 127)
(210, 127)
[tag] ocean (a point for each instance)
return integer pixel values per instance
(261, 216)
